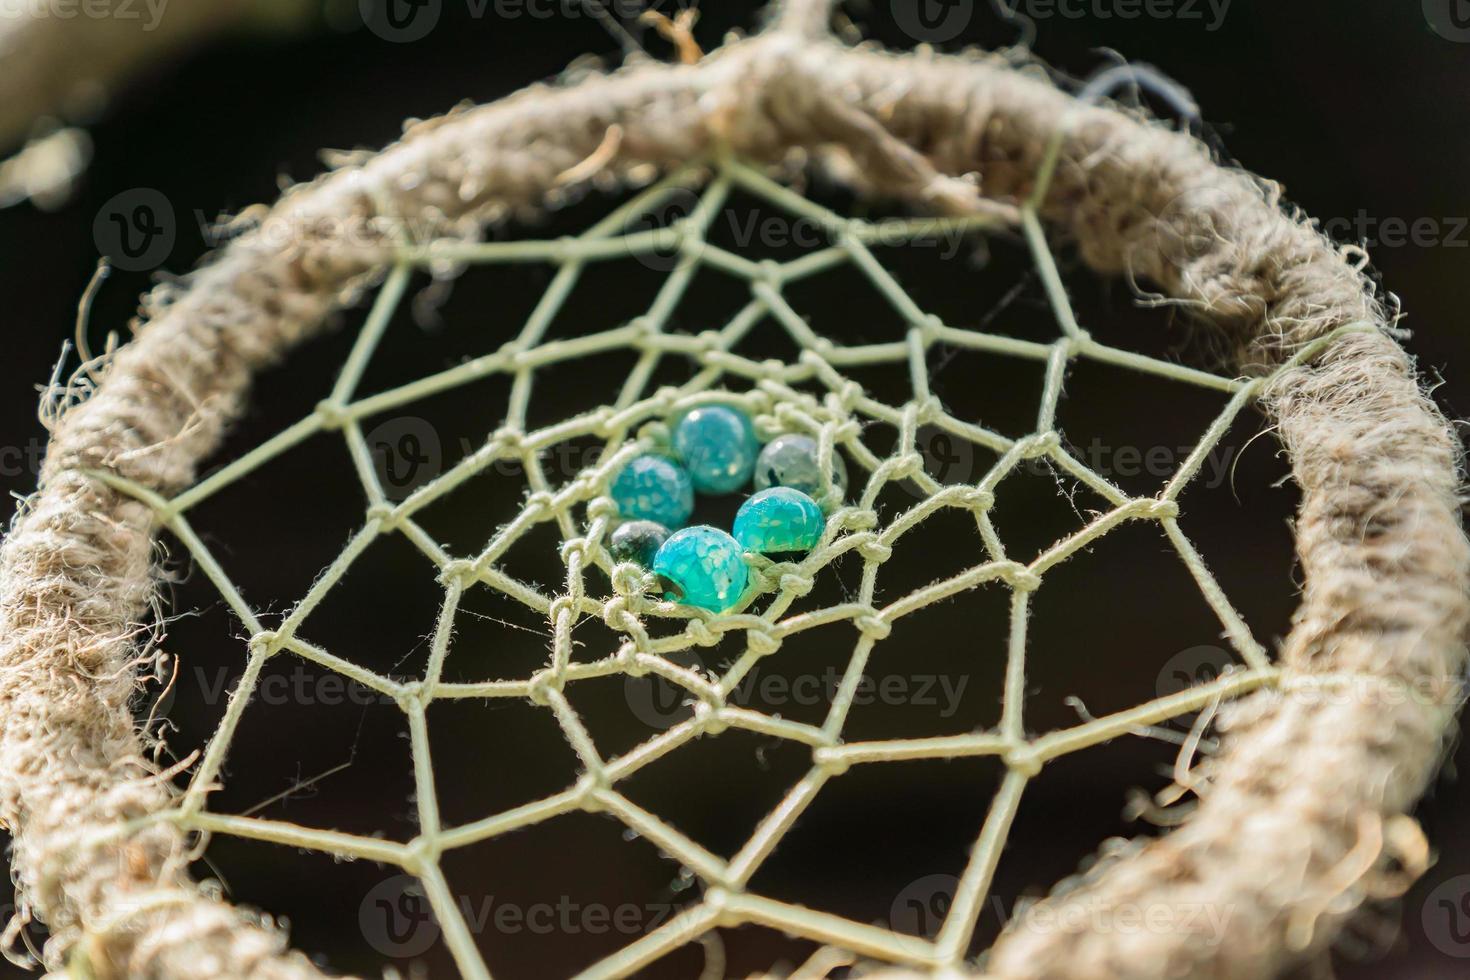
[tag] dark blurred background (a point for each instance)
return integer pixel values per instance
(1358, 108)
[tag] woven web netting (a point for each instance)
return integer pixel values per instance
(810, 394)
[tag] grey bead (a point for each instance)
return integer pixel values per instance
(791, 461)
(637, 541)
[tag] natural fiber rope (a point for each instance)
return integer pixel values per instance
(1308, 793)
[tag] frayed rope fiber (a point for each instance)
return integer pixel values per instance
(1303, 819)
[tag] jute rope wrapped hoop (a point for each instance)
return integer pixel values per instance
(1304, 818)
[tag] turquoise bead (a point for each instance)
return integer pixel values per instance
(637, 541)
(791, 461)
(718, 445)
(779, 519)
(654, 488)
(703, 567)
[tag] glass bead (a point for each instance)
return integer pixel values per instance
(637, 541)
(654, 488)
(791, 461)
(779, 519)
(719, 446)
(703, 567)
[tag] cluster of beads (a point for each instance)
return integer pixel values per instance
(715, 451)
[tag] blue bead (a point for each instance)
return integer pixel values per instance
(637, 541)
(791, 461)
(703, 567)
(718, 444)
(777, 520)
(654, 488)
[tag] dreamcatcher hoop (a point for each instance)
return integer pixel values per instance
(1304, 817)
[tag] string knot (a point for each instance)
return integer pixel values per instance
(562, 604)
(542, 685)
(846, 431)
(1019, 577)
(509, 441)
(907, 466)
(797, 585)
(1161, 510)
(630, 662)
(977, 498)
(857, 519)
(929, 328)
(1034, 446)
(574, 547)
(875, 551)
(708, 717)
(1024, 760)
(873, 626)
(829, 762)
(540, 501)
(590, 787)
(629, 579)
(848, 394)
(460, 571)
(787, 414)
(264, 640)
(602, 509)
(385, 515)
(663, 402)
(333, 415)
(616, 616)
(762, 642)
(601, 421)
(701, 634)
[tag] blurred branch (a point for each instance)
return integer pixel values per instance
(62, 62)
